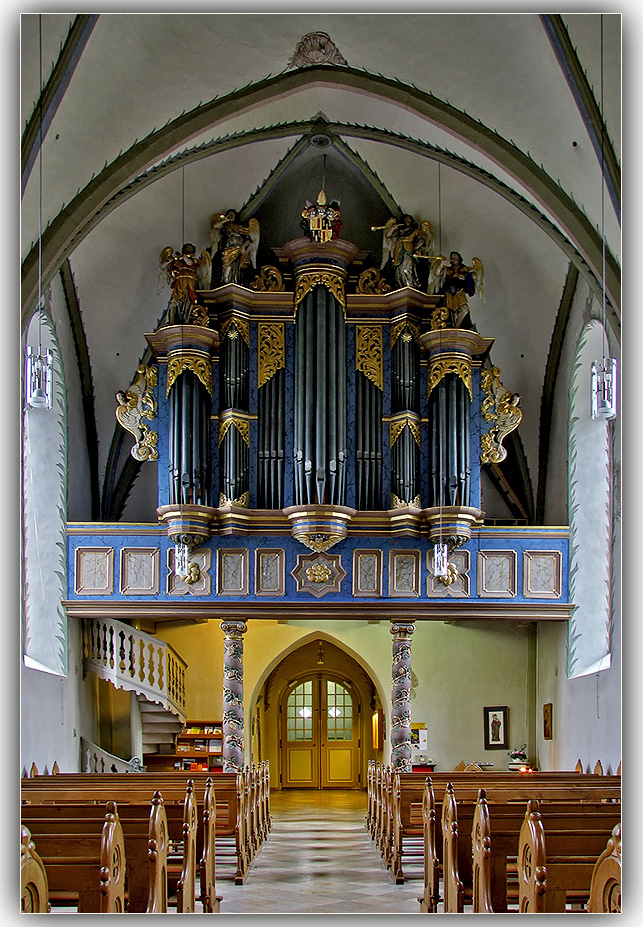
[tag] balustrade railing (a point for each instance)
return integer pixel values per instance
(96, 760)
(133, 660)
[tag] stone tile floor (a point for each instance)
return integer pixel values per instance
(319, 859)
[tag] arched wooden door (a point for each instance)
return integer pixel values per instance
(320, 734)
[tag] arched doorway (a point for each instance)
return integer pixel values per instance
(320, 733)
(319, 753)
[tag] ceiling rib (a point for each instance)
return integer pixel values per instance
(68, 228)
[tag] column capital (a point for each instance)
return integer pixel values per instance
(234, 628)
(402, 629)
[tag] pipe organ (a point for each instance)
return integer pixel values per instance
(332, 398)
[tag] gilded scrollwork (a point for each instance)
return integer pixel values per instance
(242, 426)
(309, 279)
(371, 281)
(235, 325)
(200, 367)
(368, 358)
(243, 502)
(405, 421)
(271, 350)
(136, 403)
(268, 280)
(507, 415)
(442, 366)
(440, 318)
(404, 327)
(397, 503)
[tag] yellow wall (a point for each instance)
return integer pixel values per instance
(460, 669)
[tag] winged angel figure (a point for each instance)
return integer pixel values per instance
(185, 273)
(134, 404)
(402, 244)
(234, 244)
(455, 280)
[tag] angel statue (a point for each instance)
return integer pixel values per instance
(402, 244)
(185, 273)
(134, 404)
(235, 245)
(455, 280)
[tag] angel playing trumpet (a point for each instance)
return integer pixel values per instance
(455, 280)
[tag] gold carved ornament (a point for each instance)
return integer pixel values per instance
(243, 502)
(133, 405)
(200, 367)
(397, 427)
(318, 573)
(268, 280)
(368, 358)
(271, 350)
(439, 369)
(242, 426)
(508, 415)
(440, 318)
(309, 279)
(400, 329)
(397, 503)
(371, 282)
(199, 316)
(234, 327)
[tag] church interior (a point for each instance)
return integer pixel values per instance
(320, 401)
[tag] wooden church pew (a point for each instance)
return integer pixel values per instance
(34, 888)
(554, 867)
(86, 869)
(495, 835)
(575, 799)
(145, 834)
(605, 890)
(128, 788)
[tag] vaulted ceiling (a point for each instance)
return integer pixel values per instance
(495, 127)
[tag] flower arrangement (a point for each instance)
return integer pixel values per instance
(519, 755)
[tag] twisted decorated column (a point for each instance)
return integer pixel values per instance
(401, 696)
(233, 739)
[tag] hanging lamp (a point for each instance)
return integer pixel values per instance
(39, 363)
(604, 371)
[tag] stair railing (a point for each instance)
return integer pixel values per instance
(96, 760)
(136, 661)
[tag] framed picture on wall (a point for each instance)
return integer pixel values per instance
(547, 721)
(496, 728)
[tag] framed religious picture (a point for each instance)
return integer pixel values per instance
(496, 728)
(547, 721)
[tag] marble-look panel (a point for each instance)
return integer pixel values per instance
(139, 570)
(497, 574)
(94, 571)
(541, 574)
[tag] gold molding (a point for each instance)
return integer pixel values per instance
(271, 350)
(368, 353)
(306, 280)
(397, 503)
(200, 366)
(459, 364)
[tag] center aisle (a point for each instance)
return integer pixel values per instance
(319, 859)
